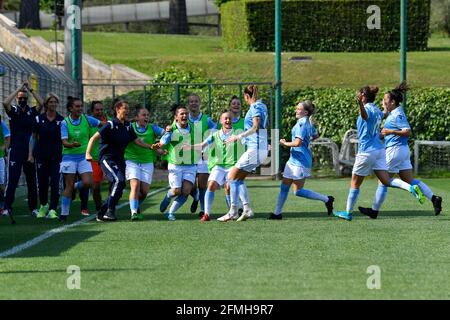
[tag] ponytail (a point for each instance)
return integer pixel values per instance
(252, 91)
(398, 93)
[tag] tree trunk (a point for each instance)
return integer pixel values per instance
(1, 4)
(29, 14)
(178, 18)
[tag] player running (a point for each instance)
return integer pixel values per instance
(222, 157)
(255, 139)
(139, 161)
(114, 137)
(299, 165)
(396, 133)
(371, 154)
(182, 163)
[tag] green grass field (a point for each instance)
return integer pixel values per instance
(308, 255)
(151, 53)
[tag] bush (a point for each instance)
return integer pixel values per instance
(317, 25)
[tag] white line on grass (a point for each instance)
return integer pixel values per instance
(52, 232)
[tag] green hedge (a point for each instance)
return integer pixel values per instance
(322, 25)
(428, 111)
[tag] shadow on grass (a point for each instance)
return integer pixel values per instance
(52, 248)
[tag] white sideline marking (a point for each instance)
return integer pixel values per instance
(52, 232)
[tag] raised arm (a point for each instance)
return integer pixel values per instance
(38, 98)
(7, 102)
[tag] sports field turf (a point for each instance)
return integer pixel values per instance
(308, 255)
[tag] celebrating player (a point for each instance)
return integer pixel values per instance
(255, 139)
(396, 133)
(139, 160)
(371, 155)
(299, 165)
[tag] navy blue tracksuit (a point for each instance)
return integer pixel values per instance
(20, 124)
(48, 155)
(114, 138)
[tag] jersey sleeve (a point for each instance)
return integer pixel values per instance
(303, 133)
(64, 130)
(158, 130)
(12, 113)
(165, 139)
(210, 140)
(211, 124)
(93, 122)
(6, 132)
(105, 131)
(401, 122)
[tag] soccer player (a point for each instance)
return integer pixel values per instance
(97, 111)
(299, 165)
(139, 160)
(200, 124)
(396, 133)
(255, 139)
(235, 108)
(221, 158)
(75, 133)
(114, 137)
(21, 118)
(371, 155)
(47, 154)
(182, 163)
(4, 145)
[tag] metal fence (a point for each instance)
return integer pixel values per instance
(42, 78)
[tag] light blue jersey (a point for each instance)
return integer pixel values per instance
(258, 140)
(397, 121)
(302, 156)
(369, 129)
(6, 132)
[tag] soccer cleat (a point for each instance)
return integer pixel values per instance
(437, 204)
(85, 212)
(373, 214)
(240, 211)
(248, 213)
(136, 216)
(205, 218)
(194, 206)
(201, 213)
(343, 215)
(5, 212)
(170, 216)
(164, 204)
(35, 213)
(52, 214)
(275, 217)
(109, 216)
(225, 218)
(415, 190)
(42, 211)
(62, 218)
(329, 205)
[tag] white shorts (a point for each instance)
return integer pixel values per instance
(202, 167)
(140, 171)
(252, 159)
(398, 158)
(296, 172)
(81, 167)
(2, 170)
(365, 163)
(220, 175)
(178, 173)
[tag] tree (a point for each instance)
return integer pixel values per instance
(178, 23)
(1, 5)
(29, 14)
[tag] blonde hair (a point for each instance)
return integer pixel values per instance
(49, 96)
